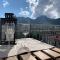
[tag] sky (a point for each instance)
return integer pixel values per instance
(31, 8)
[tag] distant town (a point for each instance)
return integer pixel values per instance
(43, 31)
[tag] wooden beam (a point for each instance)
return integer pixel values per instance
(27, 57)
(41, 55)
(56, 49)
(52, 53)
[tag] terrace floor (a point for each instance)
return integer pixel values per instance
(25, 45)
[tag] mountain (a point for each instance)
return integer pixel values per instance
(39, 20)
(23, 20)
(55, 21)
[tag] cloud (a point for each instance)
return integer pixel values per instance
(50, 8)
(24, 13)
(52, 14)
(32, 5)
(5, 3)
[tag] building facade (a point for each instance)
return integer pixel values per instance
(8, 27)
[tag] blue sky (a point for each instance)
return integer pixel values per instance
(31, 8)
(14, 6)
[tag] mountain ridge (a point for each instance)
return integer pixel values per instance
(39, 20)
